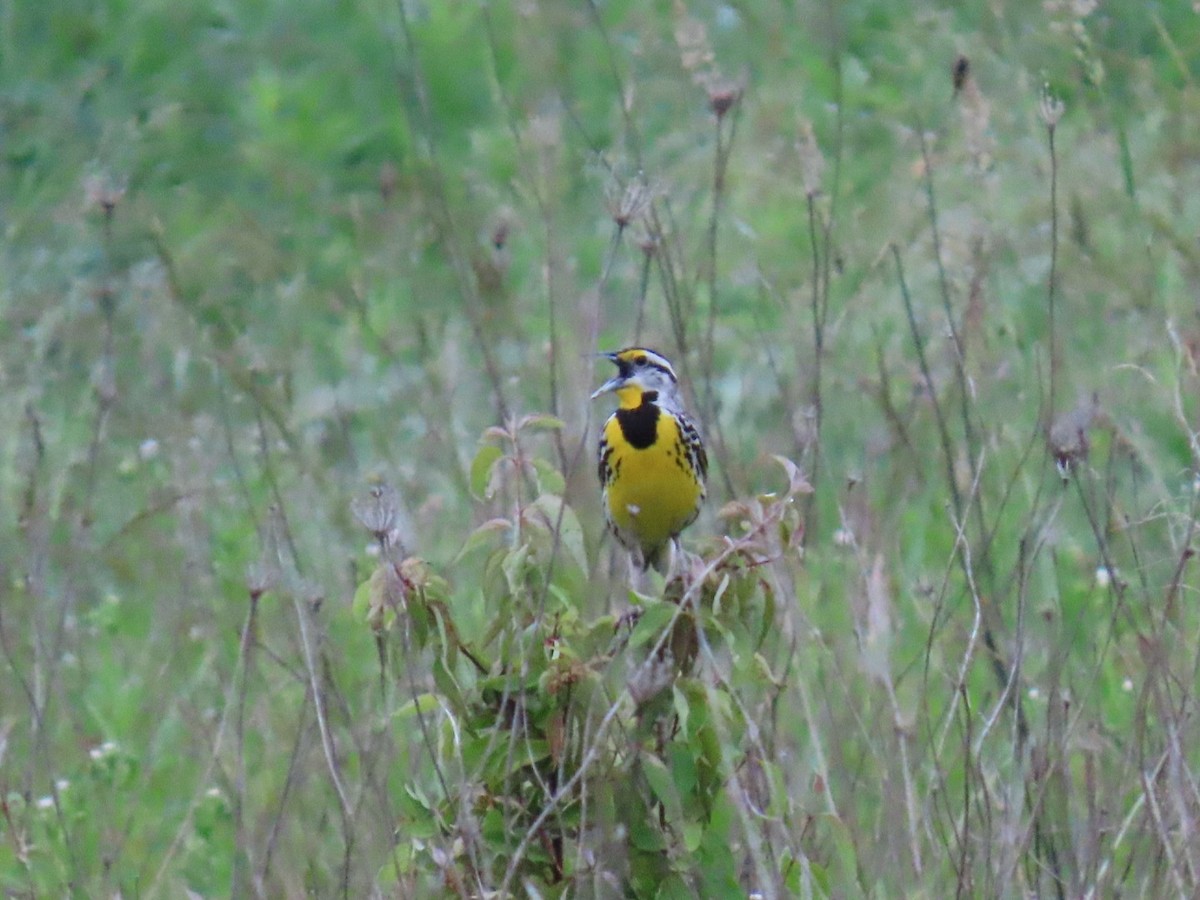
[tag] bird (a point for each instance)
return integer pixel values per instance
(652, 462)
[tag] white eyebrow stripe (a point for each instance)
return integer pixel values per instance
(658, 361)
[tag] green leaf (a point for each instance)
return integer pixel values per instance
(423, 703)
(675, 887)
(443, 678)
(844, 863)
(653, 620)
(683, 768)
(481, 470)
(549, 479)
(663, 786)
(362, 600)
(540, 422)
(570, 532)
(483, 536)
(643, 833)
(514, 569)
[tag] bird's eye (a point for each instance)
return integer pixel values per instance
(639, 360)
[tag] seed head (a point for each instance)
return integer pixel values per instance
(1050, 108)
(103, 192)
(377, 510)
(812, 163)
(626, 205)
(723, 96)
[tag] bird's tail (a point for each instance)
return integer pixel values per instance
(662, 558)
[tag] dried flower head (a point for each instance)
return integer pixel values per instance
(1050, 108)
(377, 510)
(260, 578)
(646, 237)
(626, 205)
(103, 192)
(723, 95)
(1069, 438)
(812, 163)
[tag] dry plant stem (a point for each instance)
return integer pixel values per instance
(223, 360)
(431, 749)
(35, 553)
(962, 550)
(963, 880)
(278, 522)
(819, 306)
(999, 666)
(721, 154)
(889, 686)
(631, 132)
(1115, 585)
(48, 656)
(308, 645)
(1178, 778)
(681, 310)
(724, 147)
(960, 361)
(239, 475)
(1164, 837)
(449, 230)
(289, 781)
(643, 288)
(241, 856)
(930, 387)
(668, 268)
(548, 232)
(910, 793)
(202, 783)
(1185, 554)
(964, 387)
(1052, 283)
(1135, 810)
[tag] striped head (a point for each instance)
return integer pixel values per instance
(640, 372)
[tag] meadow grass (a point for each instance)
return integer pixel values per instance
(304, 589)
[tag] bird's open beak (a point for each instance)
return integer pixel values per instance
(613, 383)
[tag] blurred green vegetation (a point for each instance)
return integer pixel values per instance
(260, 256)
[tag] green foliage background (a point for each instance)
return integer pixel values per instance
(260, 256)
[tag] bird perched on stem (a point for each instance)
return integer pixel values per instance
(652, 461)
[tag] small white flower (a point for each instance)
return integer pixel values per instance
(148, 449)
(108, 748)
(1034, 693)
(62, 784)
(1103, 576)
(1127, 685)
(46, 802)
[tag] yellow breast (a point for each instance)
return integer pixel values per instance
(651, 493)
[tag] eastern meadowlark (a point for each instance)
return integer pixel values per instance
(652, 460)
